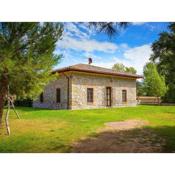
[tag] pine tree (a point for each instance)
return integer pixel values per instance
(154, 84)
(26, 58)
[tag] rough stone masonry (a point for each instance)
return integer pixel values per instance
(74, 81)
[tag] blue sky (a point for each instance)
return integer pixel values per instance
(132, 46)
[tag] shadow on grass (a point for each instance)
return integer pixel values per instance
(31, 109)
(142, 140)
(161, 104)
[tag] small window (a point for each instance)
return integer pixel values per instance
(90, 95)
(58, 95)
(41, 98)
(108, 96)
(124, 96)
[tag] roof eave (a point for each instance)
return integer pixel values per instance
(98, 72)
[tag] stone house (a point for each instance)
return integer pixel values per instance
(84, 86)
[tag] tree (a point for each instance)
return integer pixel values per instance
(164, 56)
(140, 88)
(131, 70)
(154, 84)
(122, 68)
(109, 28)
(26, 58)
(119, 67)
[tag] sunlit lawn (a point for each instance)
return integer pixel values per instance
(41, 130)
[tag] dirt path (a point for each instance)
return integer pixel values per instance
(124, 125)
(128, 136)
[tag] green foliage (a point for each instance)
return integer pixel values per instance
(131, 70)
(154, 84)
(140, 89)
(109, 28)
(164, 56)
(119, 67)
(24, 102)
(27, 55)
(122, 68)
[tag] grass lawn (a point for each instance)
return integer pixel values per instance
(41, 130)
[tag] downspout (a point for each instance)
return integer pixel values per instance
(68, 85)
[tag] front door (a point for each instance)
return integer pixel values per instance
(108, 96)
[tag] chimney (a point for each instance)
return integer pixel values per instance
(89, 60)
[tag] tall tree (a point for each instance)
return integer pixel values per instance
(164, 56)
(26, 58)
(122, 68)
(140, 88)
(154, 84)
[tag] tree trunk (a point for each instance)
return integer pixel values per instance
(3, 93)
(1, 107)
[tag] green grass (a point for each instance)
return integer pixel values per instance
(41, 130)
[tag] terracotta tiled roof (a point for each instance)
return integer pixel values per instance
(95, 69)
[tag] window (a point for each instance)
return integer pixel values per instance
(58, 95)
(90, 95)
(124, 96)
(41, 98)
(108, 96)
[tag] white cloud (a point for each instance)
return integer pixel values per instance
(87, 45)
(138, 53)
(89, 29)
(136, 57)
(138, 23)
(124, 46)
(108, 63)
(79, 40)
(71, 29)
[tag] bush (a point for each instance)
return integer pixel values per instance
(25, 102)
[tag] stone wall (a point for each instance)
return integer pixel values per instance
(49, 94)
(80, 83)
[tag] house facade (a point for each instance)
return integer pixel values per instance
(84, 86)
